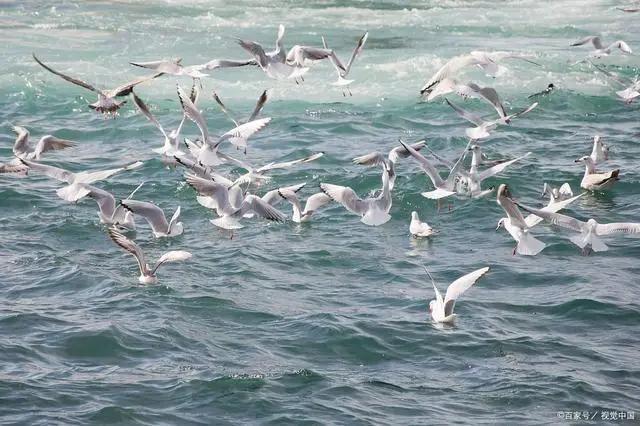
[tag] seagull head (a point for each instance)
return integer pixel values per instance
(432, 305)
(585, 159)
(414, 216)
(500, 223)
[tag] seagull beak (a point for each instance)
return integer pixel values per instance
(498, 227)
(576, 161)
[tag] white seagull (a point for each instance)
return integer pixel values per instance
(600, 49)
(231, 204)
(443, 188)
(600, 151)
(483, 127)
(21, 148)
(518, 226)
(313, 203)
(373, 211)
(378, 159)
(557, 194)
(154, 215)
(418, 228)
(109, 213)
(207, 154)
(594, 181)
(147, 274)
(590, 231)
(474, 177)
(632, 87)
(469, 91)
(278, 65)
(239, 142)
(441, 310)
(106, 103)
(173, 67)
(76, 190)
(171, 139)
(343, 71)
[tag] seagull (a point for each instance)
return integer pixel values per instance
(173, 67)
(14, 169)
(47, 143)
(546, 91)
(257, 174)
(75, 190)
(313, 203)
(389, 162)
(374, 211)
(600, 151)
(207, 154)
(271, 197)
(240, 142)
(343, 71)
(629, 9)
(467, 91)
(279, 66)
(418, 228)
(171, 140)
(443, 188)
(594, 181)
(154, 215)
(474, 178)
(632, 90)
(231, 205)
(557, 194)
(483, 127)
(485, 60)
(441, 310)
(590, 231)
(109, 213)
(147, 275)
(518, 226)
(600, 49)
(106, 103)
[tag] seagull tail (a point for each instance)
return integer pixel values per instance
(375, 218)
(437, 194)
(226, 222)
(596, 242)
(530, 245)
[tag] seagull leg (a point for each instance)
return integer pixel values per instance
(164, 163)
(302, 78)
(349, 89)
(231, 237)
(438, 206)
(449, 206)
(344, 95)
(175, 162)
(514, 250)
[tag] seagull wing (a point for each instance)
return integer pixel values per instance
(371, 159)
(192, 113)
(470, 117)
(153, 214)
(492, 171)
(611, 228)
(262, 208)
(244, 131)
(513, 213)
(171, 256)
(131, 247)
(223, 108)
(255, 50)
(532, 220)
(356, 52)
(272, 166)
(345, 196)
(226, 63)
(299, 54)
(75, 81)
(21, 146)
(51, 143)
(259, 105)
(127, 88)
(425, 165)
(145, 111)
(459, 286)
(53, 172)
(315, 201)
(557, 219)
(209, 188)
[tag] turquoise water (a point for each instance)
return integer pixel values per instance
(326, 322)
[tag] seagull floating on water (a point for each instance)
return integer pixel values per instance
(313, 203)
(109, 213)
(441, 310)
(147, 274)
(418, 228)
(594, 181)
(557, 194)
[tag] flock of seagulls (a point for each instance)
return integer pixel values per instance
(229, 198)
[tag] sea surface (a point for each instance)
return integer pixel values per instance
(325, 322)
